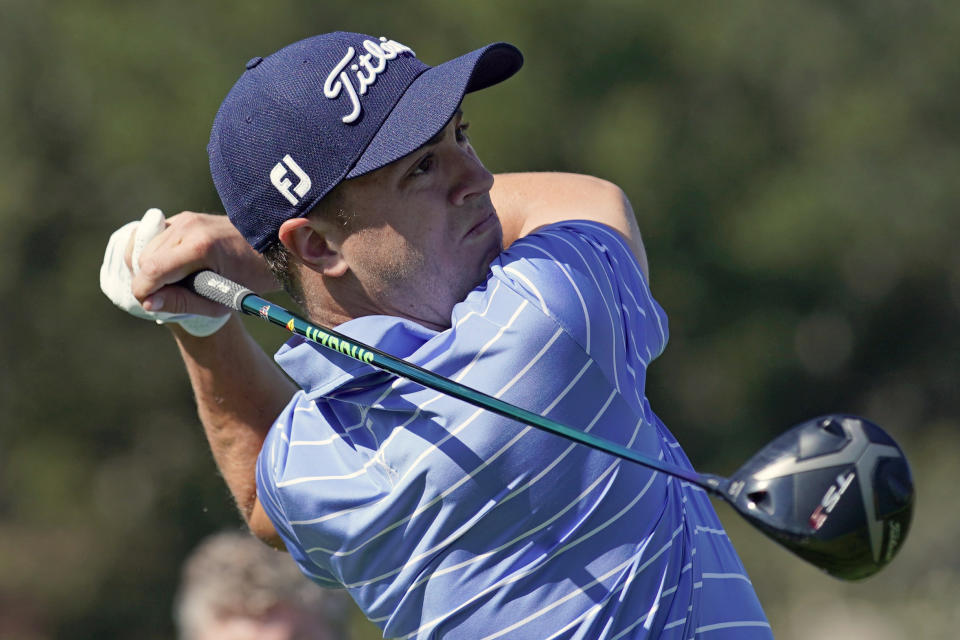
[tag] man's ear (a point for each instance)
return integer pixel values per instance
(304, 238)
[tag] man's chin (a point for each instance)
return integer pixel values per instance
(492, 254)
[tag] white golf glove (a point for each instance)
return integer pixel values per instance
(116, 278)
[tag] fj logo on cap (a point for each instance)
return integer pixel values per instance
(282, 183)
(365, 70)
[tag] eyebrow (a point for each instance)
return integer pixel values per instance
(439, 135)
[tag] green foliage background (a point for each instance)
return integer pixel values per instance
(793, 168)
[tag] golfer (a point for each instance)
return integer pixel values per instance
(347, 174)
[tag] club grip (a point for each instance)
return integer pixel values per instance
(213, 286)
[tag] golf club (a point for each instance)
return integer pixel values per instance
(835, 490)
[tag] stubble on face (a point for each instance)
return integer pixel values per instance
(406, 243)
(407, 279)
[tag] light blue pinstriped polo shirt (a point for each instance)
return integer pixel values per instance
(447, 521)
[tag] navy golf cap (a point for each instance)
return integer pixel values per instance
(330, 108)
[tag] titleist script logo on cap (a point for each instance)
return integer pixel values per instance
(365, 71)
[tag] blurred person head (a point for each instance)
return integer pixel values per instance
(234, 587)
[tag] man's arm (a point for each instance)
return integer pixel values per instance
(239, 392)
(528, 201)
(238, 389)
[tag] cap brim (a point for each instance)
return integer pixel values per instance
(432, 99)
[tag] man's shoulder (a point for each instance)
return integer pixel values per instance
(584, 277)
(573, 266)
(571, 247)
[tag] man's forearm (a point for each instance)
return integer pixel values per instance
(239, 393)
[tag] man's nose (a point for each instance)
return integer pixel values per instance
(472, 177)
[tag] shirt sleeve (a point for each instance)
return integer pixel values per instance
(270, 465)
(584, 276)
(308, 470)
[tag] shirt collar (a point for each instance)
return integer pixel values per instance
(318, 370)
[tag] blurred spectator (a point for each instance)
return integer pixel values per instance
(234, 587)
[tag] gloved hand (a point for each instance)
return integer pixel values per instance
(116, 277)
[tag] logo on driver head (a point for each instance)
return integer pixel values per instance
(282, 183)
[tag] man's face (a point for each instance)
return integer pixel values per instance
(423, 229)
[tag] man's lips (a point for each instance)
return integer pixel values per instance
(481, 224)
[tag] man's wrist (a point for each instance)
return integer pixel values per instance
(184, 334)
(197, 325)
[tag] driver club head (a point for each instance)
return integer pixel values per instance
(835, 490)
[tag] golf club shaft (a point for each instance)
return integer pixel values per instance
(219, 289)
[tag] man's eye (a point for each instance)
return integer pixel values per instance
(424, 165)
(462, 132)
